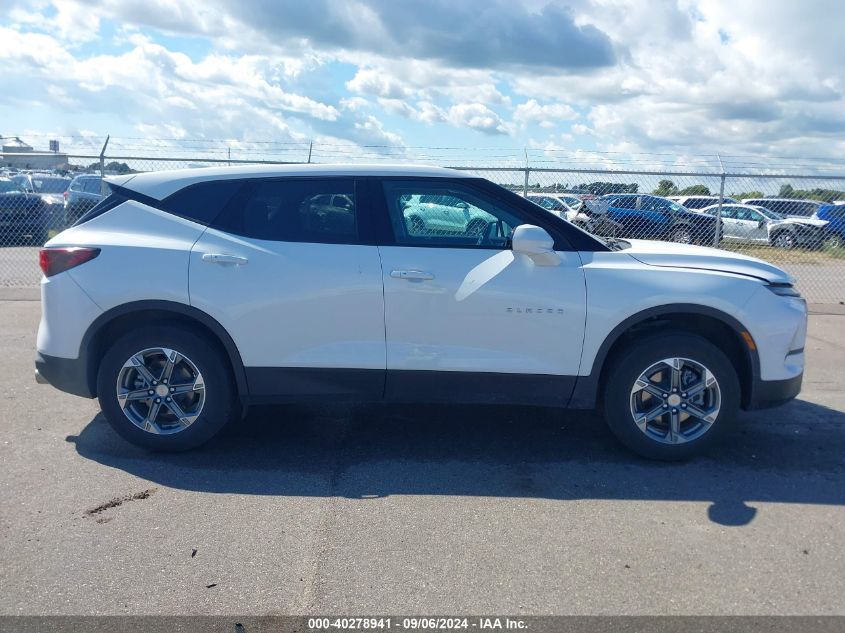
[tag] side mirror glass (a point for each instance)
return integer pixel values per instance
(536, 243)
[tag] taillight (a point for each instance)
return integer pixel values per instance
(57, 260)
(65, 194)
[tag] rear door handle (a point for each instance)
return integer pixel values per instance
(411, 275)
(220, 258)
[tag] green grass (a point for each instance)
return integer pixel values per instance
(786, 256)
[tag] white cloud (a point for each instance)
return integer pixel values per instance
(546, 116)
(478, 117)
(670, 75)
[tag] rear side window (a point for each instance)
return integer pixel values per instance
(697, 203)
(202, 202)
(295, 210)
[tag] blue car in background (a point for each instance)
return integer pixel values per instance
(835, 229)
(649, 217)
(23, 216)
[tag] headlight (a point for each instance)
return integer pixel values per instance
(784, 290)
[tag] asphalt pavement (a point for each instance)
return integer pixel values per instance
(395, 509)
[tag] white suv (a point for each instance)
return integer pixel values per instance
(187, 295)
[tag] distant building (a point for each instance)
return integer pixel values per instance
(19, 155)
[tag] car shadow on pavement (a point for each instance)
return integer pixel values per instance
(794, 454)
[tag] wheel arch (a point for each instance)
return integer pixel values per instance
(695, 319)
(119, 319)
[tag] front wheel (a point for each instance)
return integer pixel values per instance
(165, 388)
(682, 235)
(670, 396)
(784, 239)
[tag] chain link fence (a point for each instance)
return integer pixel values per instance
(794, 220)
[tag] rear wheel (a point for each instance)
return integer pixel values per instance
(834, 240)
(670, 396)
(165, 388)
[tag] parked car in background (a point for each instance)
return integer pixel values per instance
(694, 203)
(656, 218)
(834, 214)
(84, 192)
(580, 215)
(51, 189)
(23, 216)
(787, 207)
(750, 224)
(187, 295)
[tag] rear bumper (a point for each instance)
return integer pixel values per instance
(65, 374)
(773, 393)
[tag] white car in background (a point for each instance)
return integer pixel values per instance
(695, 203)
(751, 223)
(186, 296)
(590, 215)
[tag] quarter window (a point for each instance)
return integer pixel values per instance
(291, 210)
(448, 215)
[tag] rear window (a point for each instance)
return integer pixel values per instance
(49, 185)
(91, 185)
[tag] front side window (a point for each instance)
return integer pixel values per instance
(291, 210)
(447, 214)
(625, 202)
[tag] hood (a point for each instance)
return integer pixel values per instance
(805, 221)
(671, 254)
(51, 198)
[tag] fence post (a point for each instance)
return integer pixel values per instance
(718, 230)
(103, 166)
(525, 184)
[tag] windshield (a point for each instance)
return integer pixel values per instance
(7, 186)
(675, 207)
(50, 185)
(768, 213)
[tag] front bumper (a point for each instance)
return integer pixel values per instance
(65, 374)
(773, 393)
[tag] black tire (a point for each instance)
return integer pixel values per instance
(681, 234)
(784, 239)
(833, 241)
(636, 358)
(220, 405)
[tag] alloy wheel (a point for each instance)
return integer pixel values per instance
(682, 235)
(160, 390)
(784, 240)
(675, 400)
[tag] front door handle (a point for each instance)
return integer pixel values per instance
(220, 258)
(411, 275)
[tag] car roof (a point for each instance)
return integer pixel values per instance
(734, 204)
(784, 200)
(160, 184)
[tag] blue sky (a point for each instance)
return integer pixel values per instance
(584, 80)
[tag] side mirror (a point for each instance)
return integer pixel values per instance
(535, 243)
(761, 224)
